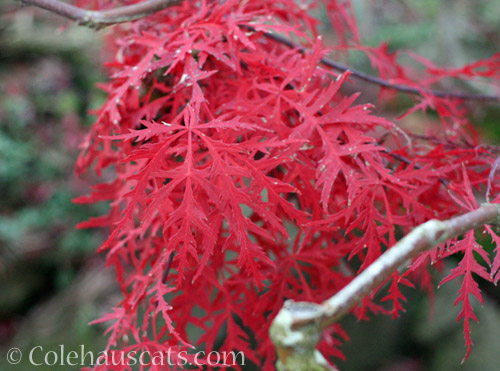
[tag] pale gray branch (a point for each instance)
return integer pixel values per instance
(102, 18)
(296, 329)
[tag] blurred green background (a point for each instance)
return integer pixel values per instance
(51, 281)
(52, 284)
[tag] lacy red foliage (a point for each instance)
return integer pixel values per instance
(246, 160)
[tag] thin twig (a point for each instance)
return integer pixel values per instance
(491, 178)
(102, 18)
(407, 161)
(298, 326)
(376, 80)
(167, 267)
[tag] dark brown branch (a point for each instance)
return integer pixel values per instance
(376, 80)
(102, 18)
(407, 161)
(167, 267)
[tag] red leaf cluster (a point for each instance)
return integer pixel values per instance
(244, 161)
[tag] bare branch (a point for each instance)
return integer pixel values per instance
(102, 18)
(297, 327)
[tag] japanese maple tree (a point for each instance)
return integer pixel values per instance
(244, 175)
